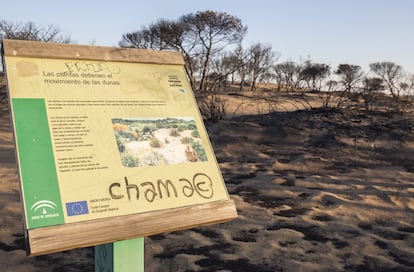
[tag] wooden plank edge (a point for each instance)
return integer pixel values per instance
(102, 231)
(21, 48)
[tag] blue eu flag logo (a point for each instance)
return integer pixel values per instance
(77, 208)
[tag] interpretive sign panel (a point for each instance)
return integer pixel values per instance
(108, 136)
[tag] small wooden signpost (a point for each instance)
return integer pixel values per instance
(111, 147)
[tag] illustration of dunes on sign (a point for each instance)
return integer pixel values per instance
(158, 141)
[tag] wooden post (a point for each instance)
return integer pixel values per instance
(122, 256)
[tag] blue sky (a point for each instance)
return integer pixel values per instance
(329, 31)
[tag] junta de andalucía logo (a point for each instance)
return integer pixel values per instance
(43, 209)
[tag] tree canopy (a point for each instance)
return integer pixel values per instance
(31, 31)
(390, 73)
(199, 36)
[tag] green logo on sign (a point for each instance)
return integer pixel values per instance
(44, 205)
(44, 209)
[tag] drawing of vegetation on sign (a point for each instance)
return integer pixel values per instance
(158, 141)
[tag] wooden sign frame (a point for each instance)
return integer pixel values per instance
(31, 70)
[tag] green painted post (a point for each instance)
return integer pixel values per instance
(104, 258)
(123, 256)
